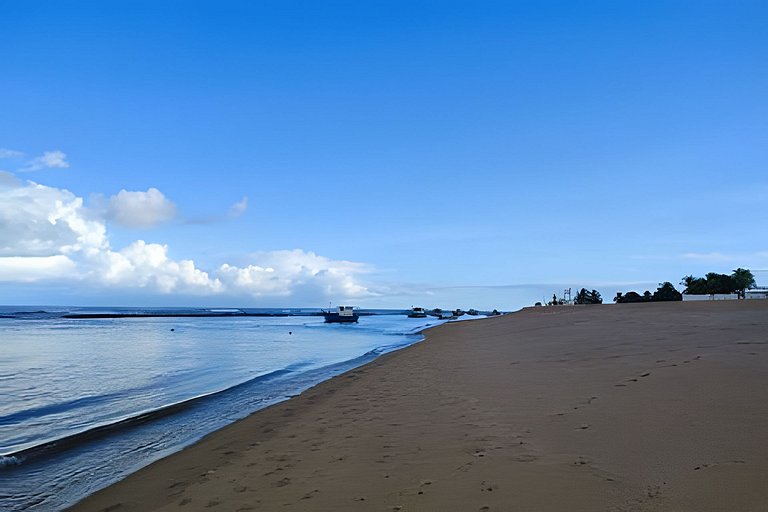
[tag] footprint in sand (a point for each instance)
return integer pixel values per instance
(487, 487)
(713, 464)
(282, 482)
(310, 494)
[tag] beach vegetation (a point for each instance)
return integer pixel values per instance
(743, 280)
(587, 297)
(713, 283)
(666, 292)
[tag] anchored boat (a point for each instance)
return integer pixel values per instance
(342, 315)
(417, 313)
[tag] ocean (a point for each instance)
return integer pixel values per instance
(86, 401)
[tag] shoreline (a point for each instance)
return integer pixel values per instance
(616, 407)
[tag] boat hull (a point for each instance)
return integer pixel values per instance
(335, 318)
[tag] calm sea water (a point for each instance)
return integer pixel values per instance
(84, 402)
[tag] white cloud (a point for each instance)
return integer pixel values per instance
(35, 268)
(140, 209)
(290, 272)
(709, 256)
(742, 259)
(143, 265)
(36, 220)
(9, 153)
(239, 207)
(8, 180)
(47, 233)
(48, 160)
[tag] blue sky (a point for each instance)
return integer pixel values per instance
(453, 154)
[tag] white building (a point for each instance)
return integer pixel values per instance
(757, 293)
(717, 296)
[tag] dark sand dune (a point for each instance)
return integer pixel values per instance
(621, 408)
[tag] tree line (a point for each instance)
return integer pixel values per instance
(664, 293)
(713, 283)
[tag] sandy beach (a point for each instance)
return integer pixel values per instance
(659, 406)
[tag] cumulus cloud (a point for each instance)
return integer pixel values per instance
(36, 220)
(239, 207)
(289, 272)
(8, 179)
(140, 209)
(47, 233)
(35, 268)
(48, 160)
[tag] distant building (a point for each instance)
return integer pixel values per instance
(757, 293)
(717, 296)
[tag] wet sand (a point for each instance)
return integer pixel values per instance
(586, 408)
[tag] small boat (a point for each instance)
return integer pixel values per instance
(342, 315)
(417, 313)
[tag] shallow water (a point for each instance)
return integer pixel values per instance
(83, 402)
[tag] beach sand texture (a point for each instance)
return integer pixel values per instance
(585, 408)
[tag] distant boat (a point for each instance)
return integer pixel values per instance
(342, 315)
(417, 313)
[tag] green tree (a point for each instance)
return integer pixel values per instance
(666, 292)
(742, 280)
(719, 283)
(694, 285)
(713, 283)
(585, 297)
